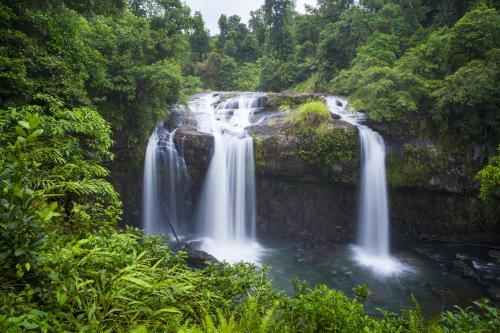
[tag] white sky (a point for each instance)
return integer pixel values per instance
(212, 9)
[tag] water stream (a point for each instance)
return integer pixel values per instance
(226, 212)
(373, 239)
(165, 197)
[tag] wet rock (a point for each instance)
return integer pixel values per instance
(445, 293)
(197, 258)
(489, 277)
(283, 150)
(276, 100)
(339, 103)
(494, 254)
(196, 148)
(436, 256)
(494, 293)
(463, 268)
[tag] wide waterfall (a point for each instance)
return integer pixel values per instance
(373, 249)
(165, 197)
(226, 213)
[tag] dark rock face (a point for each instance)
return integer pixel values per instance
(274, 147)
(313, 214)
(431, 215)
(310, 200)
(419, 158)
(197, 149)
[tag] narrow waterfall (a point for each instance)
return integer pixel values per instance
(165, 197)
(373, 240)
(226, 214)
(150, 214)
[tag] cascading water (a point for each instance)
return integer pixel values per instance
(165, 196)
(226, 214)
(373, 249)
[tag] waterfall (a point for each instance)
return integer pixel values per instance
(373, 240)
(226, 213)
(150, 216)
(165, 195)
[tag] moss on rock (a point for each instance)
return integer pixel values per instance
(334, 152)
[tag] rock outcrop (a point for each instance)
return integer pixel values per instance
(197, 149)
(307, 183)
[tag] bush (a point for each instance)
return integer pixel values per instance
(310, 114)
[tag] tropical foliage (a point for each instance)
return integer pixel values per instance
(84, 81)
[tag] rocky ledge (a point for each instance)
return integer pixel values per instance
(284, 150)
(307, 183)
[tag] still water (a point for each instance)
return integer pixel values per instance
(427, 275)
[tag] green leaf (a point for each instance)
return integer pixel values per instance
(34, 121)
(140, 329)
(21, 132)
(24, 124)
(167, 310)
(61, 297)
(137, 281)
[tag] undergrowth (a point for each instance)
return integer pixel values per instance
(64, 267)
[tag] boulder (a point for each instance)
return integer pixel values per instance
(285, 150)
(493, 293)
(494, 254)
(197, 258)
(445, 293)
(464, 269)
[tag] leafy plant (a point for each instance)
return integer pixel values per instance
(310, 114)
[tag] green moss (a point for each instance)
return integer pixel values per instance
(414, 167)
(329, 150)
(258, 153)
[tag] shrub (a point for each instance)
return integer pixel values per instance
(310, 114)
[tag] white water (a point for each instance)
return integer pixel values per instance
(165, 185)
(226, 214)
(373, 240)
(150, 198)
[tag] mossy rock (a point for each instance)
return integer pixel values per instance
(284, 149)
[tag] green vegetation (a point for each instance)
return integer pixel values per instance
(311, 114)
(490, 178)
(84, 82)
(415, 167)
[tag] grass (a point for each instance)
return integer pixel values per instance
(310, 114)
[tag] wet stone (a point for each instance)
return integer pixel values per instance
(463, 268)
(494, 293)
